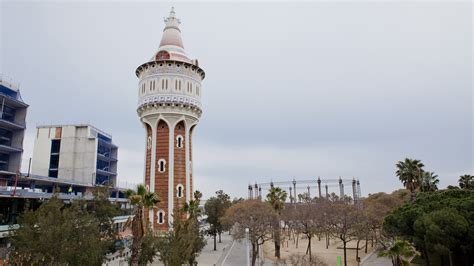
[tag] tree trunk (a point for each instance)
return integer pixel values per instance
(276, 232)
(309, 248)
(254, 254)
(220, 241)
(215, 242)
(357, 251)
(297, 238)
(366, 244)
(137, 232)
(450, 258)
(345, 253)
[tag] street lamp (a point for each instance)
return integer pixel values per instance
(247, 246)
(294, 188)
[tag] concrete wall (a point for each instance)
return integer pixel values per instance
(41, 152)
(77, 157)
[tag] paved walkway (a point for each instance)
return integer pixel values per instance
(210, 257)
(373, 260)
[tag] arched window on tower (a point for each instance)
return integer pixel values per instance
(197, 90)
(179, 141)
(162, 55)
(161, 217)
(179, 191)
(162, 84)
(161, 165)
(166, 83)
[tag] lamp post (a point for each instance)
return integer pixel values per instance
(247, 248)
(294, 188)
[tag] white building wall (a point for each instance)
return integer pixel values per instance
(77, 156)
(41, 152)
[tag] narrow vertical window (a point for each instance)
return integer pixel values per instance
(179, 191)
(179, 141)
(161, 217)
(161, 165)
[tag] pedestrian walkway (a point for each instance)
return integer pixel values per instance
(209, 256)
(373, 259)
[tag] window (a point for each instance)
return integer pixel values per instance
(179, 141)
(161, 217)
(179, 191)
(197, 90)
(162, 84)
(161, 165)
(166, 83)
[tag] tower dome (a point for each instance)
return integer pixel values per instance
(169, 107)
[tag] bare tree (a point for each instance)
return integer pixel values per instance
(344, 222)
(255, 215)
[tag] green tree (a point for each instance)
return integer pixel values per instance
(398, 251)
(466, 181)
(442, 231)
(184, 242)
(141, 200)
(410, 173)
(276, 197)
(421, 220)
(59, 234)
(215, 209)
(429, 182)
(102, 209)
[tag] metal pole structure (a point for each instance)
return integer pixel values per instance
(309, 194)
(354, 191)
(327, 194)
(294, 188)
(260, 192)
(271, 184)
(291, 196)
(319, 186)
(256, 191)
(247, 246)
(341, 190)
(250, 192)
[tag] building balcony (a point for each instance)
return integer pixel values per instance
(9, 149)
(11, 125)
(105, 171)
(105, 157)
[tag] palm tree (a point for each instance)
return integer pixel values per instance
(410, 172)
(141, 200)
(277, 197)
(429, 182)
(398, 251)
(466, 181)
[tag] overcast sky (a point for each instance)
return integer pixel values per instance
(292, 90)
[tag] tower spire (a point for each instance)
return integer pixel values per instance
(171, 20)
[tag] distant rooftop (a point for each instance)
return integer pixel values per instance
(77, 125)
(11, 90)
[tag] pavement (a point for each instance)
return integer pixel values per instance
(209, 256)
(373, 259)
